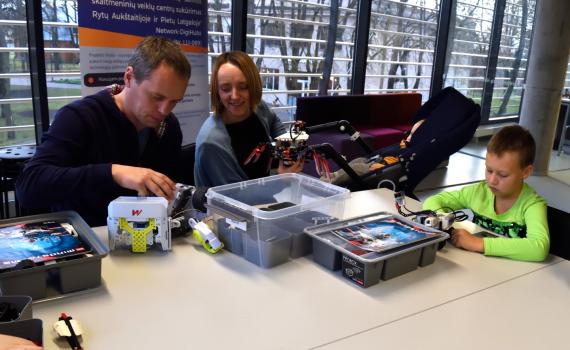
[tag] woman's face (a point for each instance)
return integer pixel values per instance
(234, 94)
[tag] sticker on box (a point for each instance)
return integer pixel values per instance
(240, 225)
(353, 270)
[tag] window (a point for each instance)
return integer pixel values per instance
(269, 78)
(16, 115)
(401, 46)
(516, 34)
(62, 65)
(219, 24)
(289, 41)
(469, 43)
(566, 90)
(62, 53)
(290, 37)
(472, 67)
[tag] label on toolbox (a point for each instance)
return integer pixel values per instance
(240, 225)
(353, 270)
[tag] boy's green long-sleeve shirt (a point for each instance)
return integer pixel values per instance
(525, 222)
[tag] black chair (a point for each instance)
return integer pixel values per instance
(12, 161)
(559, 227)
(186, 164)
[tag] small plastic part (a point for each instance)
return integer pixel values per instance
(205, 236)
(69, 328)
(400, 198)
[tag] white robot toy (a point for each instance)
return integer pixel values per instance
(139, 222)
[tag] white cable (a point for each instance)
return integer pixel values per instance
(389, 181)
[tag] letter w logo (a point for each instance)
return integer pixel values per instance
(137, 212)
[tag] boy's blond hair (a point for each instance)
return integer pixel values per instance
(514, 138)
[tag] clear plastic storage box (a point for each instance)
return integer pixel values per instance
(263, 219)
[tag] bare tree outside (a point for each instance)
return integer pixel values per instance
(219, 24)
(401, 45)
(14, 36)
(288, 40)
(517, 38)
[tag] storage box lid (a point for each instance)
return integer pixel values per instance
(274, 196)
(375, 237)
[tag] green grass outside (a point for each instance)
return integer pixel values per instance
(513, 106)
(22, 113)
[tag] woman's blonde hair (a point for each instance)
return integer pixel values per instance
(245, 64)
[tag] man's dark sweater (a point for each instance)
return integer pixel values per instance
(71, 169)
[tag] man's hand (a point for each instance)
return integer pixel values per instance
(465, 240)
(295, 167)
(144, 181)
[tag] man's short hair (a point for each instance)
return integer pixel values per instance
(514, 138)
(154, 50)
(248, 68)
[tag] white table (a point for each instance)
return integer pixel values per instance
(191, 299)
(526, 312)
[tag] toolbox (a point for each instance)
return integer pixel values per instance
(374, 247)
(263, 219)
(50, 259)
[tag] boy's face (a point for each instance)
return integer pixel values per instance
(504, 175)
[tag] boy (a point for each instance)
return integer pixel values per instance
(503, 203)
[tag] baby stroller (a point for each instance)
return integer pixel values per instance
(449, 121)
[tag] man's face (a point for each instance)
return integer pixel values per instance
(151, 100)
(504, 175)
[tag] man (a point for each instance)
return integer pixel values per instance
(107, 145)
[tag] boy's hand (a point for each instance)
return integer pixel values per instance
(144, 181)
(465, 240)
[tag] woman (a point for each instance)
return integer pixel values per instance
(241, 121)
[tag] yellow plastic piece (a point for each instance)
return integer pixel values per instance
(204, 243)
(138, 236)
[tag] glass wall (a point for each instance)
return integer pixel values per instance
(288, 41)
(61, 60)
(516, 34)
(469, 45)
(61, 53)
(219, 24)
(566, 90)
(297, 45)
(16, 116)
(401, 46)
(472, 69)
